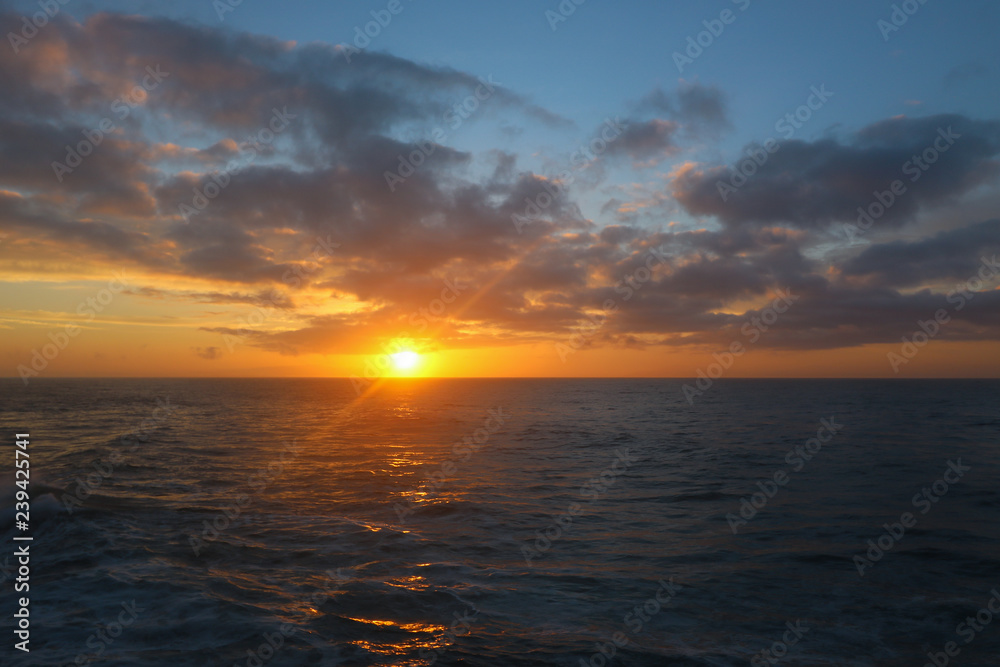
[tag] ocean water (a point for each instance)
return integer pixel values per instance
(508, 522)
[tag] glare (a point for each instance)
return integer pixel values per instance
(405, 360)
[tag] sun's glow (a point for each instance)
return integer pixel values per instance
(405, 360)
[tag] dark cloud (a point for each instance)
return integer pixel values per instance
(694, 111)
(950, 255)
(812, 185)
(265, 298)
(39, 219)
(108, 178)
(700, 109)
(643, 141)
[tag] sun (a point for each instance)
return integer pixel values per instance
(405, 360)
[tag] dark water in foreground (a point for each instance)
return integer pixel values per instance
(373, 536)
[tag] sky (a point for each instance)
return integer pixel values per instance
(722, 189)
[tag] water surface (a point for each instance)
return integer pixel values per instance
(361, 532)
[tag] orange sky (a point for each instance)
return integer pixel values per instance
(136, 336)
(182, 200)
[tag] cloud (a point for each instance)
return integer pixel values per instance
(648, 141)
(210, 353)
(270, 299)
(815, 184)
(391, 249)
(949, 255)
(700, 109)
(325, 174)
(694, 111)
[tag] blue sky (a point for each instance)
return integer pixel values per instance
(606, 55)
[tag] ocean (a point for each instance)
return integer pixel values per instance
(507, 522)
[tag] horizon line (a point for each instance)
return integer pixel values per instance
(481, 377)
